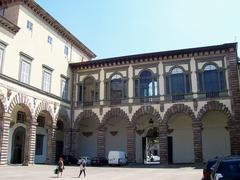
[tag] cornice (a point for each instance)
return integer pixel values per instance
(9, 26)
(164, 56)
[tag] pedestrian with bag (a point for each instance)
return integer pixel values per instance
(60, 167)
(82, 168)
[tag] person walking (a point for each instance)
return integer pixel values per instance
(82, 168)
(60, 167)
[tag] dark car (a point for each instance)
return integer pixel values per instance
(227, 168)
(207, 169)
(69, 160)
(99, 161)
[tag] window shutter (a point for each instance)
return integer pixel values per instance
(167, 85)
(222, 81)
(97, 91)
(188, 86)
(80, 93)
(107, 91)
(1, 58)
(136, 88)
(200, 82)
(125, 89)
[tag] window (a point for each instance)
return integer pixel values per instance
(116, 89)
(29, 25)
(25, 67)
(1, 58)
(49, 40)
(2, 12)
(41, 121)
(21, 117)
(65, 50)
(46, 82)
(39, 144)
(88, 91)
(211, 80)
(177, 83)
(146, 85)
(64, 88)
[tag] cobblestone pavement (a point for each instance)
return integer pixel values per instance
(42, 172)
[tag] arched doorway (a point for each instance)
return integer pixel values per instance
(18, 145)
(115, 137)
(43, 147)
(146, 121)
(180, 138)
(215, 135)
(59, 139)
(151, 146)
(85, 135)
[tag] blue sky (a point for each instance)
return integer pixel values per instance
(123, 27)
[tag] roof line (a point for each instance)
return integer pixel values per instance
(157, 54)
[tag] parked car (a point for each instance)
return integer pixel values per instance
(117, 158)
(227, 168)
(99, 161)
(207, 169)
(87, 160)
(69, 160)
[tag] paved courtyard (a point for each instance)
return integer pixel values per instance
(41, 172)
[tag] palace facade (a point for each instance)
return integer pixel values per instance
(182, 105)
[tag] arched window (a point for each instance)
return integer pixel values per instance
(146, 85)
(177, 83)
(211, 80)
(210, 74)
(116, 88)
(88, 91)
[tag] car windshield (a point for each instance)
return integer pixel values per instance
(229, 167)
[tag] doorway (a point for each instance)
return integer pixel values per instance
(59, 150)
(18, 145)
(151, 147)
(170, 149)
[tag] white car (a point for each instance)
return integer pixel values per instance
(87, 160)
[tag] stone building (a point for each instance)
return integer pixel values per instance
(54, 99)
(35, 89)
(189, 97)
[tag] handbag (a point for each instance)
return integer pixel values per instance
(56, 171)
(81, 167)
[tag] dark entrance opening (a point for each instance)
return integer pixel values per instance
(59, 149)
(150, 145)
(170, 149)
(18, 145)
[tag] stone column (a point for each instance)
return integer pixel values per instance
(29, 141)
(130, 84)
(234, 131)
(51, 145)
(67, 134)
(75, 133)
(161, 81)
(194, 78)
(102, 88)
(197, 142)
(101, 141)
(163, 141)
(32, 142)
(4, 140)
(131, 146)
